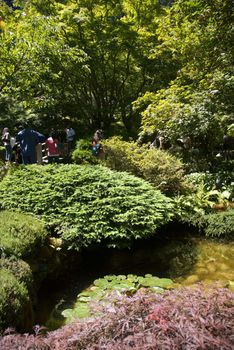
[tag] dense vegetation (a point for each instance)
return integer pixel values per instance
(191, 317)
(120, 65)
(136, 69)
(20, 234)
(87, 204)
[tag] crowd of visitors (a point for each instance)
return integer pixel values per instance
(26, 147)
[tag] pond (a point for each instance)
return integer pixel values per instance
(185, 258)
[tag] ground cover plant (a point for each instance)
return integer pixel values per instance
(20, 234)
(87, 204)
(189, 318)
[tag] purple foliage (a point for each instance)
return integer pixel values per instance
(188, 318)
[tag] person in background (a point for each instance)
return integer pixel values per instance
(6, 138)
(52, 148)
(70, 138)
(97, 148)
(28, 139)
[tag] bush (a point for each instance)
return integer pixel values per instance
(80, 156)
(219, 224)
(20, 234)
(88, 204)
(13, 300)
(187, 318)
(19, 268)
(83, 153)
(161, 169)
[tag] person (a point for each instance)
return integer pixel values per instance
(70, 135)
(28, 139)
(97, 149)
(52, 148)
(6, 138)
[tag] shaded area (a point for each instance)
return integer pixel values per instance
(187, 258)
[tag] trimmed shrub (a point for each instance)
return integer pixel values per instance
(161, 169)
(19, 268)
(20, 234)
(187, 318)
(88, 204)
(13, 300)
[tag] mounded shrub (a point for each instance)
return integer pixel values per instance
(161, 169)
(13, 300)
(20, 234)
(88, 204)
(19, 268)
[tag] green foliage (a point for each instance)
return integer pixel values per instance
(13, 300)
(19, 268)
(198, 102)
(161, 169)
(195, 203)
(20, 234)
(83, 153)
(88, 204)
(219, 224)
(83, 157)
(223, 180)
(103, 287)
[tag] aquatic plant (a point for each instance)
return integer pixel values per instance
(189, 318)
(103, 287)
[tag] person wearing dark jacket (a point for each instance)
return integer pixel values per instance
(28, 139)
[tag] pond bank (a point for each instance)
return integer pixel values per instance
(187, 258)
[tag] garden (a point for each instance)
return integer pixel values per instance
(131, 248)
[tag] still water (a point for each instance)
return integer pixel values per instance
(185, 258)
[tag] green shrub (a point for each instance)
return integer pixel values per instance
(158, 167)
(13, 300)
(84, 144)
(87, 204)
(219, 224)
(222, 180)
(19, 268)
(83, 153)
(80, 156)
(20, 234)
